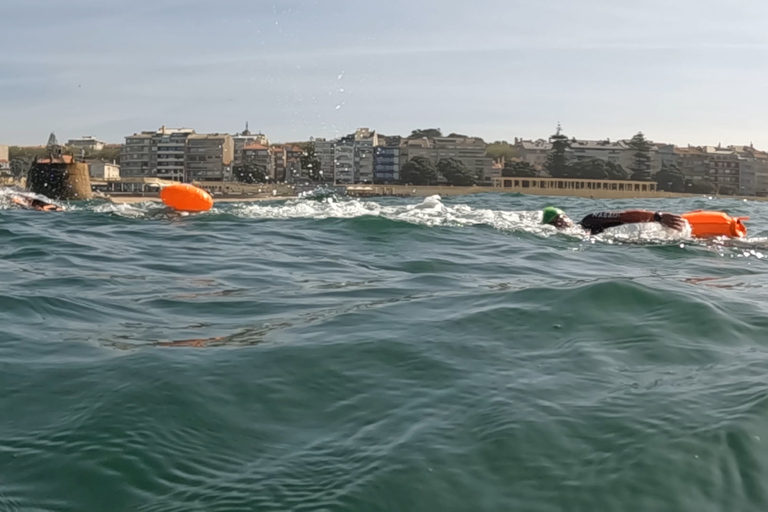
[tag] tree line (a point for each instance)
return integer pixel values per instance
(670, 178)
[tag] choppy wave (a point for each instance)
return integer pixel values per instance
(340, 354)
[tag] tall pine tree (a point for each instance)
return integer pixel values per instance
(557, 159)
(641, 166)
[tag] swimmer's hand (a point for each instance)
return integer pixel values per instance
(672, 221)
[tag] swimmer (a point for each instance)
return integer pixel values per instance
(36, 204)
(597, 222)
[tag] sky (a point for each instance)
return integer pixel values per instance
(681, 71)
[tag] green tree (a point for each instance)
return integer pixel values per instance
(641, 166)
(429, 133)
(557, 159)
(670, 179)
(616, 171)
(419, 171)
(456, 173)
(500, 149)
(518, 170)
(589, 169)
(311, 163)
(249, 173)
(457, 136)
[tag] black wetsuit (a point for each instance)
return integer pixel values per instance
(596, 223)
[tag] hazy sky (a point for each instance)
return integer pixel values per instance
(680, 70)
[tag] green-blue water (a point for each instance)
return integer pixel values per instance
(390, 355)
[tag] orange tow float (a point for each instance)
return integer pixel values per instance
(706, 224)
(186, 198)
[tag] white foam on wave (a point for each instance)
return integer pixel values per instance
(7, 194)
(433, 212)
(430, 212)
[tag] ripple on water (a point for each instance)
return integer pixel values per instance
(333, 354)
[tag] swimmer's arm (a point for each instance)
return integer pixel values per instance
(597, 222)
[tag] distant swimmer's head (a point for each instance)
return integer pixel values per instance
(556, 217)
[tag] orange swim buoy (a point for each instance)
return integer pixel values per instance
(708, 224)
(186, 198)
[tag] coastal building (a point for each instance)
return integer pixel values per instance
(469, 150)
(753, 170)
(288, 163)
(578, 187)
(209, 157)
(353, 157)
(136, 157)
(617, 152)
(344, 162)
(386, 161)
(86, 143)
(692, 162)
(724, 168)
(246, 138)
(533, 152)
(104, 171)
(5, 160)
(261, 156)
(324, 152)
(169, 149)
(665, 156)
(159, 154)
(365, 142)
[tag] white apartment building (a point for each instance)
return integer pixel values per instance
(86, 143)
(344, 162)
(160, 154)
(533, 152)
(324, 152)
(469, 150)
(209, 157)
(104, 171)
(618, 152)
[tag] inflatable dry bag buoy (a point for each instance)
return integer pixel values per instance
(186, 198)
(709, 224)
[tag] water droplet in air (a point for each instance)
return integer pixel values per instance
(341, 75)
(341, 90)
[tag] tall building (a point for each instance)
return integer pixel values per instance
(177, 154)
(617, 152)
(259, 155)
(469, 150)
(533, 152)
(137, 159)
(344, 162)
(353, 157)
(753, 170)
(724, 168)
(288, 163)
(169, 147)
(324, 152)
(246, 138)
(86, 143)
(209, 157)
(386, 161)
(693, 163)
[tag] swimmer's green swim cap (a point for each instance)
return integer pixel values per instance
(550, 213)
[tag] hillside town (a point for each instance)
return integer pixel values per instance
(425, 157)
